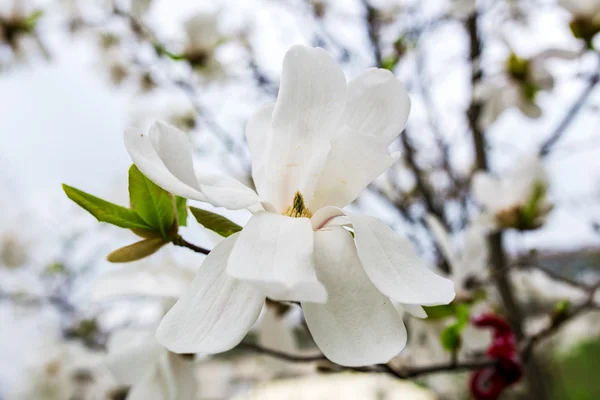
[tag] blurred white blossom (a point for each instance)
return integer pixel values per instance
(138, 361)
(518, 85)
(517, 200)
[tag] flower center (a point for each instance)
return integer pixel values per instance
(298, 209)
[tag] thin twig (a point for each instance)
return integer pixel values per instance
(179, 241)
(569, 116)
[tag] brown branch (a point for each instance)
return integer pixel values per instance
(555, 275)
(179, 241)
(533, 371)
(570, 115)
(422, 186)
(373, 31)
(403, 373)
(556, 322)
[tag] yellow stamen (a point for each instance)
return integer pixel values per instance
(298, 209)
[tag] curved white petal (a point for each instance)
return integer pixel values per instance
(154, 385)
(171, 377)
(215, 312)
(394, 267)
(354, 161)
(442, 239)
(474, 257)
(164, 155)
(201, 30)
(358, 325)
(413, 309)
(325, 216)
(488, 191)
(274, 333)
(131, 355)
(521, 181)
(275, 254)
(377, 105)
(258, 135)
(306, 115)
(184, 374)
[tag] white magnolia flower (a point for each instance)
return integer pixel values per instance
(468, 264)
(203, 38)
(313, 151)
(517, 200)
(138, 361)
(518, 85)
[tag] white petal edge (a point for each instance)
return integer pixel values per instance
(353, 162)
(164, 155)
(377, 105)
(358, 325)
(131, 355)
(307, 114)
(215, 312)
(274, 253)
(258, 135)
(414, 310)
(394, 267)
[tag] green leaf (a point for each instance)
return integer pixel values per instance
(31, 21)
(439, 312)
(152, 203)
(531, 209)
(450, 337)
(136, 251)
(182, 212)
(105, 211)
(390, 63)
(215, 222)
(463, 314)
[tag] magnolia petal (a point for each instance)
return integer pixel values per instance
(215, 312)
(164, 155)
(306, 115)
(413, 309)
(487, 191)
(274, 333)
(258, 135)
(354, 161)
(377, 105)
(474, 257)
(441, 238)
(131, 355)
(184, 374)
(326, 215)
(274, 253)
(154, 385)
(358, 325)
(394, 267)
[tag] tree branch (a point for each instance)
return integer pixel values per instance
(570, 115)
(403, 373)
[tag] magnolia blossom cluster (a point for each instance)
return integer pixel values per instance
(313, 152)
